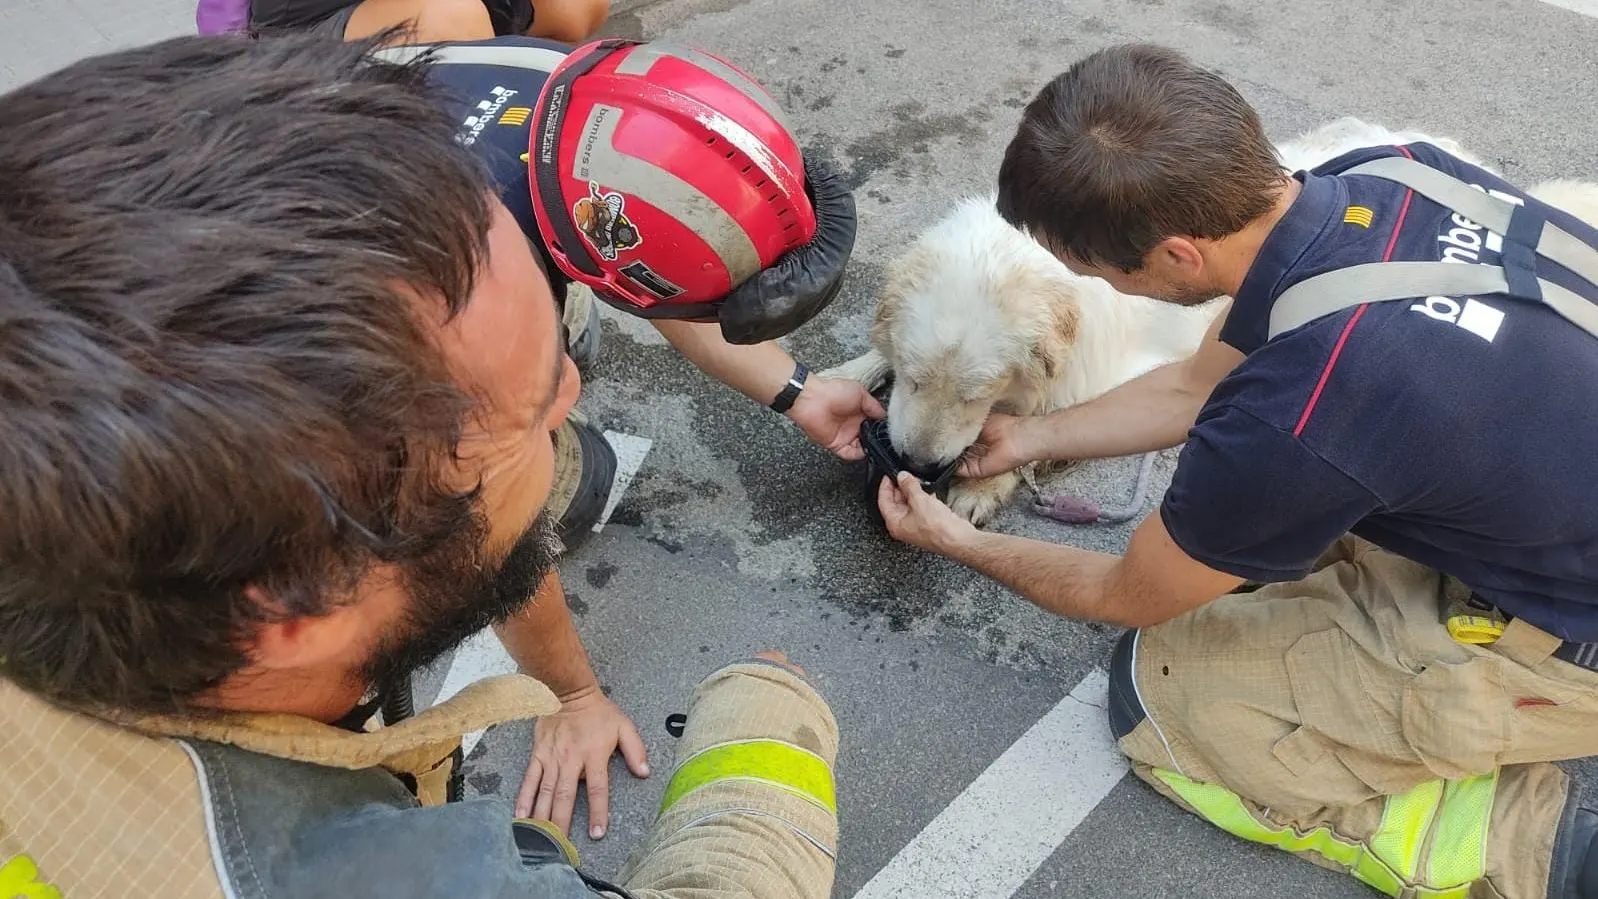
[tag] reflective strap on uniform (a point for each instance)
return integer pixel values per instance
(1580, 310)
(19, 879)
(1459, 842)
(538, 59)
(1493, 213)
(770, 762)
(1406, 818)
(1440, 187)
(1451, 817)
(1225, 810)
(1527, 235)
(1375, 282)
(1566, 249)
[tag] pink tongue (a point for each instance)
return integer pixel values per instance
(1069, 509)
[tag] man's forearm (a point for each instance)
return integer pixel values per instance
(543, 641)
(1070, 582)
(1151, 412)
(757, 371)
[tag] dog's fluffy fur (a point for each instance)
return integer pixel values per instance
(977, 317)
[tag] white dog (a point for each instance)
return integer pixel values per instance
(977, 317)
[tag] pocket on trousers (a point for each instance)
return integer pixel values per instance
(1319, 777)
(1350, 702)
(1458, 717)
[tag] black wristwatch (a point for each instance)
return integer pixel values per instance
(790, 390)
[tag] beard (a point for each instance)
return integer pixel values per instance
(455, 592)
(1181, 294)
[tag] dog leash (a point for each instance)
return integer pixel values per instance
(1075, 510)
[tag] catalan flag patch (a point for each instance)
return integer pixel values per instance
(1359, 215)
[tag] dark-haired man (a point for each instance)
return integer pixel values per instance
(1395, 457)
(723, 252)
(278, 373)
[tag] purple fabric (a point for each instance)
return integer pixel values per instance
(218, 16)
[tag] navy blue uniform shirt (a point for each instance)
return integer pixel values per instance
(1457, 432)
(495, 96)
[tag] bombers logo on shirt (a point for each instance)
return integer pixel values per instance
(483, 114)
(602, 217)
(1463, 242)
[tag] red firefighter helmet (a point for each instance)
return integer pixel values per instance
(663, 177)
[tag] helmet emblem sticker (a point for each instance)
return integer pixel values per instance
(602, 218)
(650, 280)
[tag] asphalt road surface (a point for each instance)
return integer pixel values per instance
(955, 697)
(736, 534)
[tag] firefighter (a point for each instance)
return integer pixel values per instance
(664, 182)
(1364, 621)
(279, 374)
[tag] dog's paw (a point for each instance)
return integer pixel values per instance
(870, 369)
(977, 500)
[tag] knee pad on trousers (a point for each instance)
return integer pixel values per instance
(1126, 712)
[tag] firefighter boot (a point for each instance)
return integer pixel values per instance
(585, 468)
(1574, 874)
(580, 316)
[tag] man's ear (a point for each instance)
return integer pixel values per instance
(1177, 258)
(305, 642)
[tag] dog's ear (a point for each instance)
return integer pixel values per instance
(905, 275)
(1055, 309)
(1055, 343)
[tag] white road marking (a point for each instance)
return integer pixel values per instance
(636, 329)
(483, 656)
(997, 832)
(1585, 7)
(630, 453)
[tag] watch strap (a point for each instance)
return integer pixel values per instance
(790, 390)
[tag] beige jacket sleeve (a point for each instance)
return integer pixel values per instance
(750, 809)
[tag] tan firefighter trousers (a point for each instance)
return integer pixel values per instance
(1336, 718)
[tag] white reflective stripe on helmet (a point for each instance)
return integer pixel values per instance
(644, 56)
(598, 160)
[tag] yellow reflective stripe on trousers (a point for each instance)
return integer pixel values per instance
(1458, 836)
(1405, 821)
(1225, 810)
(1459, 843)
(777, 764)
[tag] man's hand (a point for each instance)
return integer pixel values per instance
(830, 413)
(1002, 446)
(575, 744)
(916, 517)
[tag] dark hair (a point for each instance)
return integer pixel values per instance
(216, 363)
(1132, 145)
